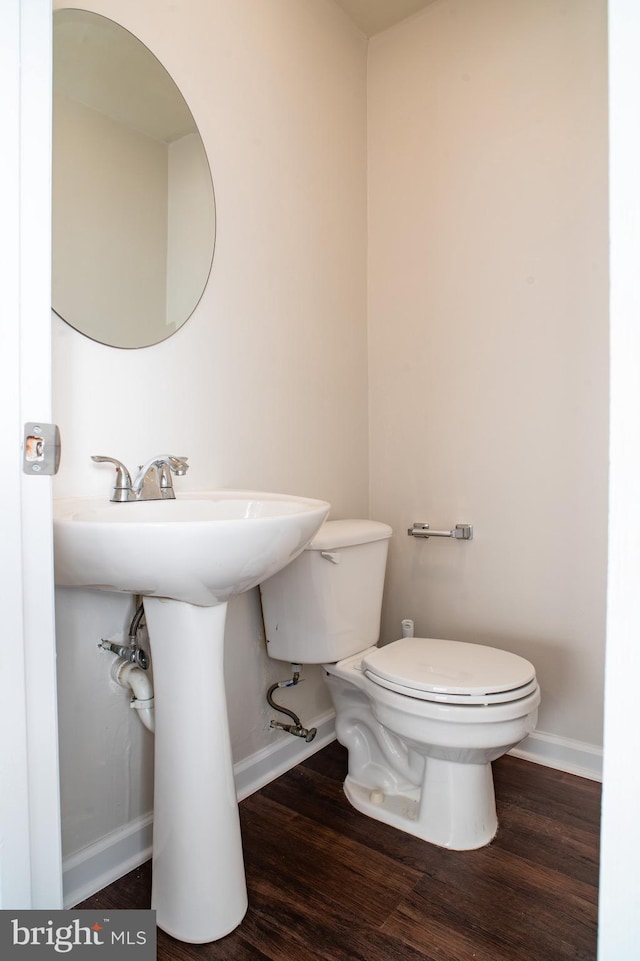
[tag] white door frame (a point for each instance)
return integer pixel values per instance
(30, 850)
(619, 918)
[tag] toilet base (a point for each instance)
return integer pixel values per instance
(454, 807)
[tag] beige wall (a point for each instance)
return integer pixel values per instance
(265, 387)
(488, 332)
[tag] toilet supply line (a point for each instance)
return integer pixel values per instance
(296, 728)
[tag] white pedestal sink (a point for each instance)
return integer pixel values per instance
(187, 557)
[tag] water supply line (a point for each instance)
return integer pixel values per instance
(131, 651)
(296, 728)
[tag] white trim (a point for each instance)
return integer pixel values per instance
(619, 900)
(92, 868)
(15, 842)
(30, 859)
(95, 866)
(36, 492)
(562, 753)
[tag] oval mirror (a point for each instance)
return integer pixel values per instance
(133, 203)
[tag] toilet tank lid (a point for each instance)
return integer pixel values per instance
(348, 533)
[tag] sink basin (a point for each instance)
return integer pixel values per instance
(187, 557)
(201, 548)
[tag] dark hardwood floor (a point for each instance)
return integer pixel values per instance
(329, 884)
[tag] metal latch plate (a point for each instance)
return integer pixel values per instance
(41, 448)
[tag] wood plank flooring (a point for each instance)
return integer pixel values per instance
(327, 883)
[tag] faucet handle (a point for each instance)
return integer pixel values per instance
(178, 465)
(122, 486)
(170, 463)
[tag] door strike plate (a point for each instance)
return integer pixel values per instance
(41, 448)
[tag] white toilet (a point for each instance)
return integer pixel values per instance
(422, 719)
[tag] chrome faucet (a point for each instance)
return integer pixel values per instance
(153, 481)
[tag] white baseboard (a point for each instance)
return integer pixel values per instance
(563, 754)
(99, 864)
(94, 867)
(91, 868)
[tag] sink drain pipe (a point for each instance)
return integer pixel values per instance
(296, 728)
(129, 676)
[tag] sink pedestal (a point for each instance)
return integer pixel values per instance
(199, 890)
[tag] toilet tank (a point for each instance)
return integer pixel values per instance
(326, 604)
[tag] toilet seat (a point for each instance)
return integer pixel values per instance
(450, 672)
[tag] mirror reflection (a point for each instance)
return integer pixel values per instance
(133, 203)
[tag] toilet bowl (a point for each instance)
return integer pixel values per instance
(421, 762)
(422, 718)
